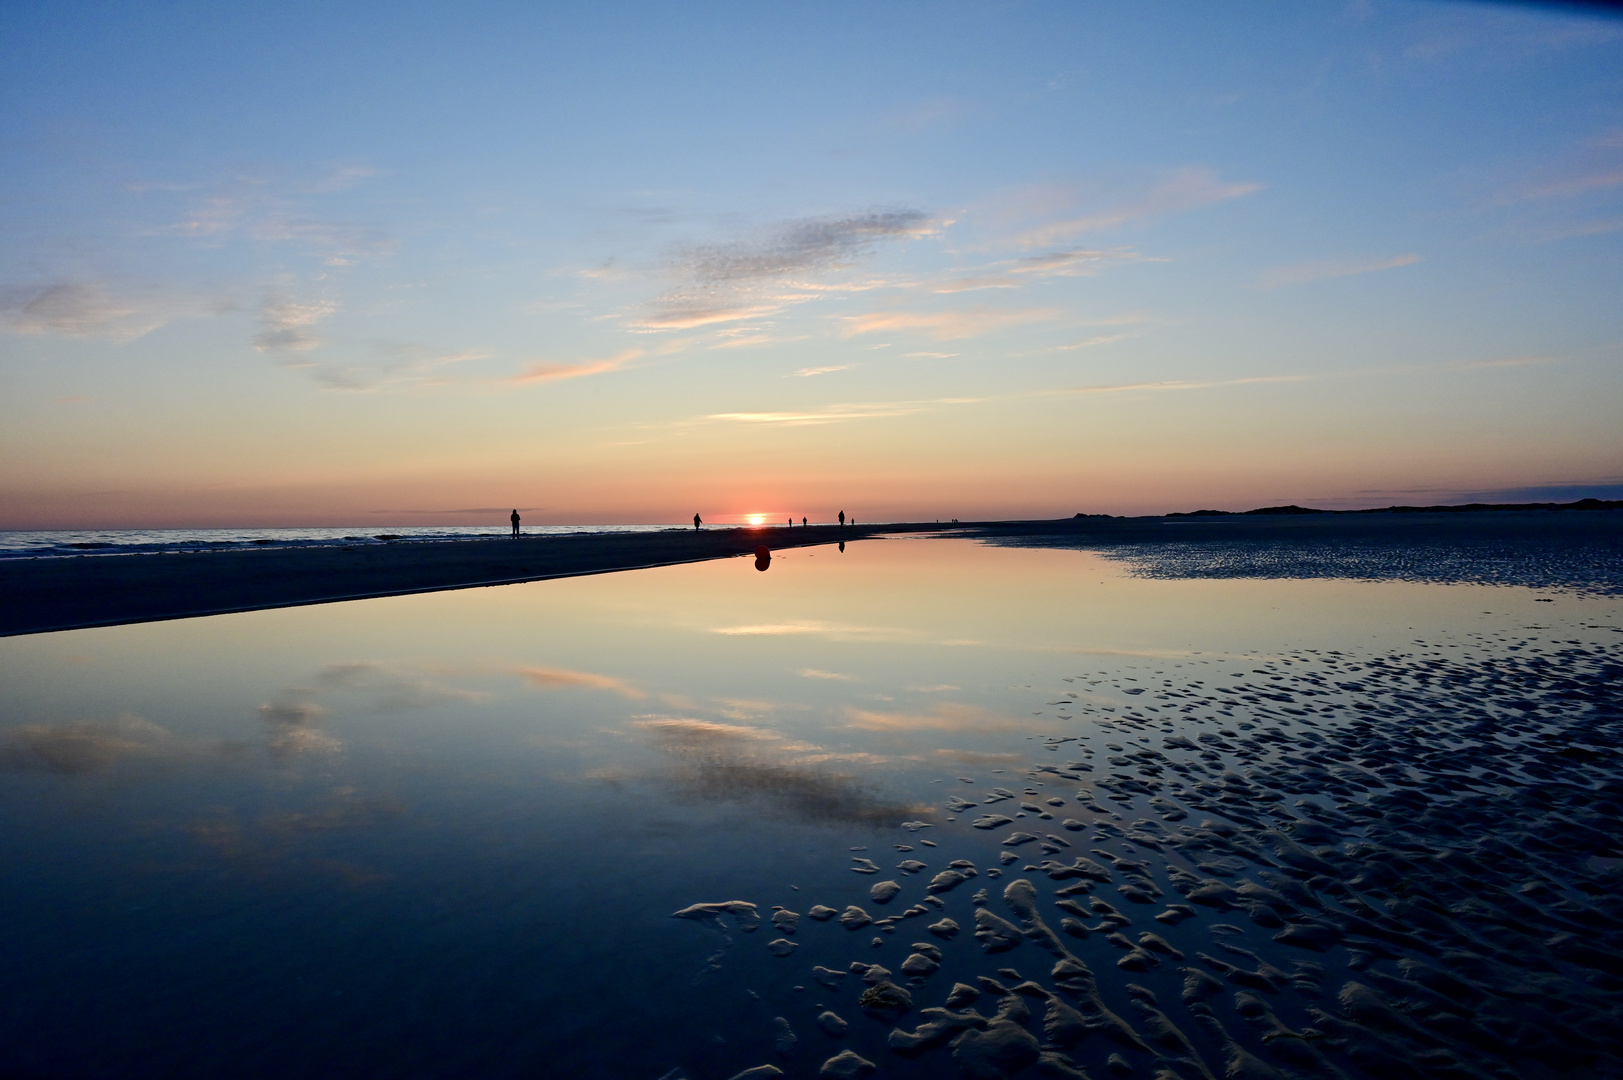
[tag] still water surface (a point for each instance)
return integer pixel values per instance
(444, 835)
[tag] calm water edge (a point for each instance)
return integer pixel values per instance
(954, 809)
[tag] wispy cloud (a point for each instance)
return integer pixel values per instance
(1597, 227)
(813, 673)
(1490, 364)
(1169, 385)
(837, 414)
(1569, 186)
(546, 371)
(268, 209)
(285, 323)
(690, 313)
(810, 244)
(1017, 273)
(946, 325)
(872, 410)
(91, 309)
(389, 365)
(1317, 271)
(722, 283)
(1092, 342)
(810, 371)
(1187, 189)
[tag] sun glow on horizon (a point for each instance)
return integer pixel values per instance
(755, 519)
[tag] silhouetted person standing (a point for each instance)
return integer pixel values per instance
(514, 520)
(696, 522)
(842, 519)
(802, 523)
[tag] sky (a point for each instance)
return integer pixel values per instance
(303, 264)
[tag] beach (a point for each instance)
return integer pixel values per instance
(39, 595)
(62, 593)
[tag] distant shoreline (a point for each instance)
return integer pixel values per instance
(42, 595)
(1463, 508)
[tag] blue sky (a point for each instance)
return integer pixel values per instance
(285, 264)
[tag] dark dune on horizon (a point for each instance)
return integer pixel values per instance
(39, 595)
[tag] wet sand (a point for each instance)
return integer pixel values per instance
(39, 595)
(1329, 864)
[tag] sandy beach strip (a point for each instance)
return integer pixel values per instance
(41, 595)
(45, 594)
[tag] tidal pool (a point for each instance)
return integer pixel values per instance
(1324, 827)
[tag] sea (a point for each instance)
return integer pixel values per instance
(910, 807)
(57, 543)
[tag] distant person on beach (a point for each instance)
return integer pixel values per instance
(514, 520)
(842, 519)
(802, 522)
(696, 522)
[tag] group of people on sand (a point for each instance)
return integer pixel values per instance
(697, 521)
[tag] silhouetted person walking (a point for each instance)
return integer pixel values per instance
(514, 520)
(696, 522)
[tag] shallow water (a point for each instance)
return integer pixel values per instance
(444, 835)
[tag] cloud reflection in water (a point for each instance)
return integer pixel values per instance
(716, 762)
(83, 747)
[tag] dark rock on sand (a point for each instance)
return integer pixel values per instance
(846, 1065)
(744, 914)
(832, 1023)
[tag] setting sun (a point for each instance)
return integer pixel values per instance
(756, 519)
